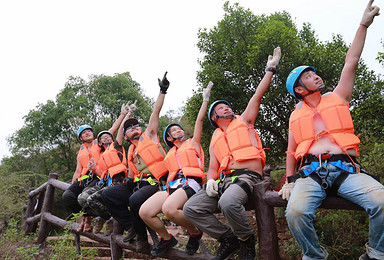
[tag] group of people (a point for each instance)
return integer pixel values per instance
(134, 188)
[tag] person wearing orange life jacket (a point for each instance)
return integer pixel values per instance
(185, 163)
(112, 169)
(236, 163)
(147, 173)
(83, 176)
(322, 145)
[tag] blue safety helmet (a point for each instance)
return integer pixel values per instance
(294, 76)
(165, 134)
(82, 128)
(211, 110)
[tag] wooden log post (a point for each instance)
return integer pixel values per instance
(76, 237)
(116, 250)
(47, 208)
(266, 226)
(37, 211)
(29, 213)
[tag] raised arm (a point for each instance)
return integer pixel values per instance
(153, 125)
(117, 123)
(347, 79)
(250, 113)
(120, 134)
(200, 117)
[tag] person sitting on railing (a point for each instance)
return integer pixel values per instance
(147, 173)
(84, 177)
(185, 163)
(236, 162)
(322, 146)
(112, 167)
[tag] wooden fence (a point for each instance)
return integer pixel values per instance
(40, 204)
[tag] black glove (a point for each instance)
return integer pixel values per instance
(164, 84)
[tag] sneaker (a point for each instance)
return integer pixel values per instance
(163, 246)
(366, 257)
(227, 248)
(193, 243)
(131, 234)
(247, 249)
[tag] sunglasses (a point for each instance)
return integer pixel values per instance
(130, 126)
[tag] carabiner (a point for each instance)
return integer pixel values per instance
(324, 183)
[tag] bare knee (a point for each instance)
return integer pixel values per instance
(144, 213)
(169, 210)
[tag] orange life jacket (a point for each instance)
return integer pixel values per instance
(337, 119)
(151, 153)
(185, 159)
(113, 163)
(84, 155)
(235, 143)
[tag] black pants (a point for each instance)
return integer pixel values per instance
(137, 199)
(116, 198)
(69, 197)
(119, 197)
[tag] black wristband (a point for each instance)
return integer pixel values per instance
(273, 70)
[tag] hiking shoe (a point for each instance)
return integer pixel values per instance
(228, 246)
(131, 234)
(247, 249)
(366, 257)
(163, 246)
(193, 243)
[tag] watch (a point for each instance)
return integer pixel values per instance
(273, 70)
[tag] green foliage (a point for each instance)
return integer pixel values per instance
(291, 248)
(14, 245)
(14, 189)
(28, 251)
(342, 232)
(372, 159)
(63, 247)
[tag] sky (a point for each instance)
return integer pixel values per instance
(43, 43)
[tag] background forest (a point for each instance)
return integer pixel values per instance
(234, 55)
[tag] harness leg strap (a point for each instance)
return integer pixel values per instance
(244, 186)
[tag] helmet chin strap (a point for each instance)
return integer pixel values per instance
(106, 143)
(135, 137)
(180, 138)
(224, 117)
(89, 141)
(319, 88)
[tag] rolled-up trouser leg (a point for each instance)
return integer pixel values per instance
(199, 210)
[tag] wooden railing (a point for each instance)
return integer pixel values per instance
(39, 209)
(40, 204)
